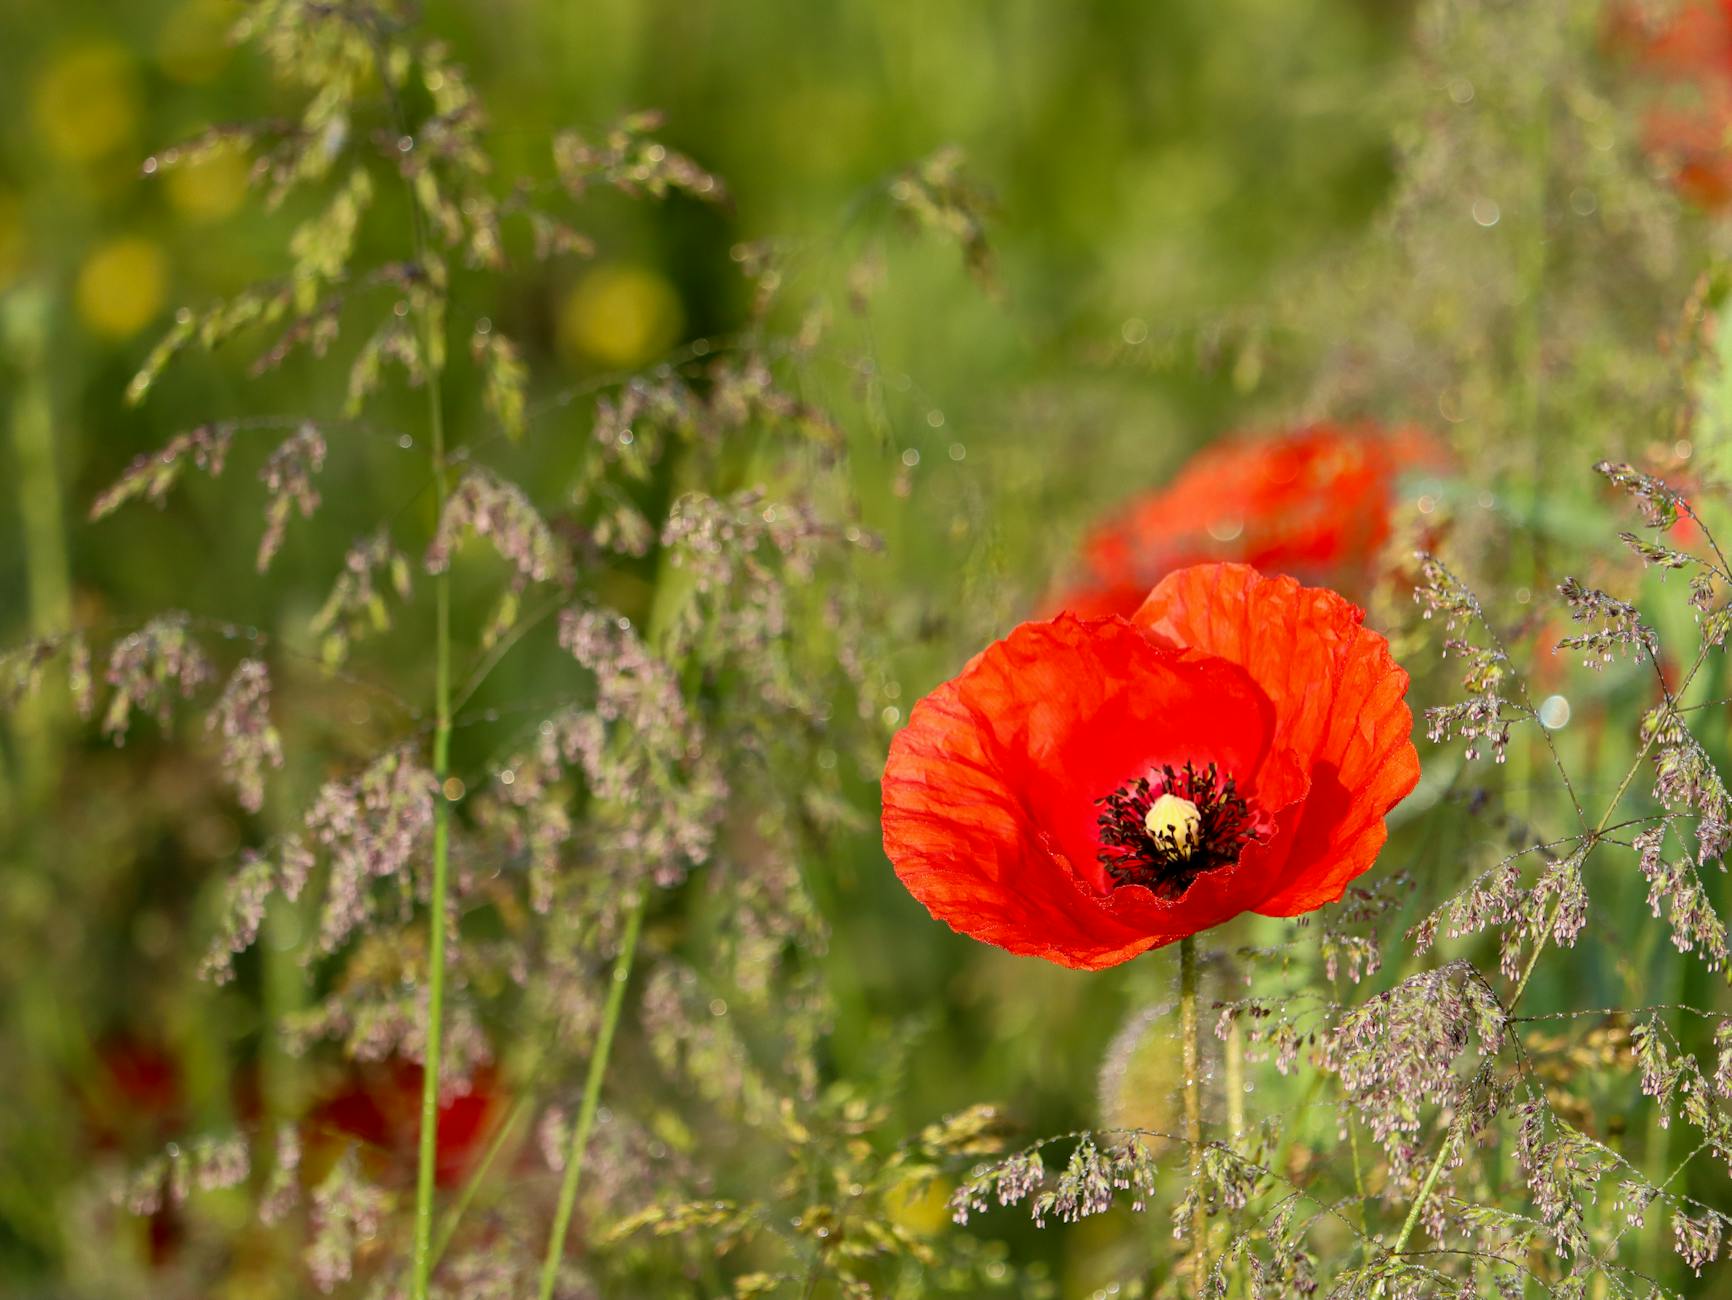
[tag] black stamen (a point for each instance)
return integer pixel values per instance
(1133, 855)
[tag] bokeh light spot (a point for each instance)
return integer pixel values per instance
(193, 45)
(919, 1205)
(209, 189)
(121, 286)
(620, 316)
(1554, 712)
(85, 102)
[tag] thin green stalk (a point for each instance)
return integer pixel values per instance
(1359, 1182)
(436, 919)
(429, 315)
(1193, 1101)
(1593, 839)
(1419, 1201)
(284, 992)
(477, 1176)
(1594, 836)
(1235, 1085)
(1358, 1164)
(1235, 1079)
(591, 1099)
(814, 1274)
(1692, 984)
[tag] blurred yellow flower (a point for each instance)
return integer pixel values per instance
(620, 316)
(193, 44)
(210, 188)
(121, 285)
(920, 1206)
(11, 239)
(85, 102)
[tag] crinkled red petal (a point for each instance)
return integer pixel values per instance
(1313, 503)
(989, 792)
(1339, 702)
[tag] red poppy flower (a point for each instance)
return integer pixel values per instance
(1692, 40)
(137, 1103)
(142, 1081)
(1693, 146)
(1313, 503)
(1087, 789)
(1691, 49)
(382, 1109)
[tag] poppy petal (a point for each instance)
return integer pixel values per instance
(989, 792)
(1310, 502)
(1339, 702)
(1219, 895)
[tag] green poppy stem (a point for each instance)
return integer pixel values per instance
(1193, 1063)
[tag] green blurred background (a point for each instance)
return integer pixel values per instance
(1152, 166)
(1155, 168)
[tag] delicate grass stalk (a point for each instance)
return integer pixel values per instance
(1358, 1161)
(1189, 1032)
(284, 987)
(1593, 839)
(591, 1099)
(432, 354)
(1431, 1177)
(1235, 1079)
(1235, 1085)
(495, 1144)
(1359, 1183)
(436, 919)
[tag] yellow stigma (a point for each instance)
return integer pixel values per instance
(1174, 820)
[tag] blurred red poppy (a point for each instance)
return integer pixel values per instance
(1313, 504)
(1692, 49)
(381, 1108)
(140, 1080)
(1087, 789)
(137, 1102)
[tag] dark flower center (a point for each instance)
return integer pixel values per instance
(1166, 829)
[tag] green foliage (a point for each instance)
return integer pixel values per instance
(725, 544)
